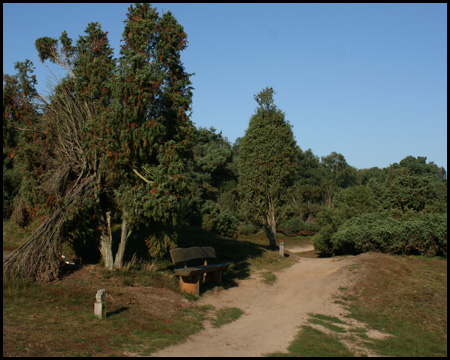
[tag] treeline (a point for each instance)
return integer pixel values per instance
(113, 144)
(398, 209)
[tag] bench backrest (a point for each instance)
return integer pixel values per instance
(183, 255)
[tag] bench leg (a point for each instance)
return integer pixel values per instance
(217, 277)
(190, 284)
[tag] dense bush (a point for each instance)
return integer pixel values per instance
(221, 222)
(421, 234)
(248, 229)
(322, 240)
(292, 226)
(296, 227)
(329, 220)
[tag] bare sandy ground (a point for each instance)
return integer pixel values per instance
(272, 313)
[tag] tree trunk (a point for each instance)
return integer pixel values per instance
(106, 243)
(271, 228)
(118, 262)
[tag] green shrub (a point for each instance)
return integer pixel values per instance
(219, 222)
(328, 221)
(310, 228)
(421, 234)
(248, 229)
(292, 226)
(322, 240)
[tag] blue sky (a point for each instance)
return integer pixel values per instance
(368, 81)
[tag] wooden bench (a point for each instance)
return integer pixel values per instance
(190, 275)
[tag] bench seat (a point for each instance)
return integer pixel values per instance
(191, 274)
(191, 271)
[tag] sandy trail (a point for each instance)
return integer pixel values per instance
(272, 313)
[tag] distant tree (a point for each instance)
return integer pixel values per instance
(419, 166)
(267, 164)
(309, 169)
(406, 192)
(307, 193)
(23, 142)
(338, 174)
(364, 176)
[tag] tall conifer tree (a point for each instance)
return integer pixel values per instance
(267, 164)
(152, 121)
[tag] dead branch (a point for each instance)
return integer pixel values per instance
(37, 258)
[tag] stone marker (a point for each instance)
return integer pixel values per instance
(99, 306)
(282, 248)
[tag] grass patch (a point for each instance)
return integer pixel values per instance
(328, 325)
(226, 316)
(332, 319)
(57, 319)
(269, 277)
(404, 296)
(327, 321)
(313, 343)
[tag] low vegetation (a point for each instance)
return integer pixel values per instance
(403, 299)
(146, 312)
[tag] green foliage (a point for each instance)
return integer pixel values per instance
(248, 229)
(292, 226)
(338, 171)
(160, 240)
(406, 191)
(150, 119)
(357, 200)
(47, 49)
(424, 234)
(364, 176)
(226, 316)
(211, 201)
(405, 214)
(25, 145)
(219, 222)
(267, 164)
(329, 220)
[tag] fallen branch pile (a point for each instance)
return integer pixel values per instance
(37, 258)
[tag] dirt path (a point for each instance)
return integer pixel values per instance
(272, 313)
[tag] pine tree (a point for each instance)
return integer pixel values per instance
(267, 164)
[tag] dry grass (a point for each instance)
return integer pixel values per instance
(57, 319)
(405, 296)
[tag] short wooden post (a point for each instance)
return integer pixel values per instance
(99, 305)
(282, 248)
